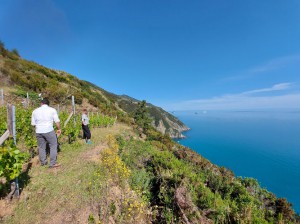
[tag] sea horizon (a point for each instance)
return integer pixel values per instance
(262, 144)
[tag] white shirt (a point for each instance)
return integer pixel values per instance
(42, 118)
(85, 119)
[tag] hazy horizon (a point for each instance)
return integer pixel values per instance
(262, 145)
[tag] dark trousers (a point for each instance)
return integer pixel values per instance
(86, 132)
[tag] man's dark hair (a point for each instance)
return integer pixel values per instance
(45, 101)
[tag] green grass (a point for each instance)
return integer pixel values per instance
(61, 195)
(128, 180)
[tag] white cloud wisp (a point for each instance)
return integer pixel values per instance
(247, 100)
(276, 87)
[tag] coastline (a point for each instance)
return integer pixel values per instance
(268, 140)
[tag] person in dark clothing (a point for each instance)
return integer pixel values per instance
(85, 127)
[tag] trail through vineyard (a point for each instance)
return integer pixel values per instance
(60, 195)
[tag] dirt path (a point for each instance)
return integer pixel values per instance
(60, 195)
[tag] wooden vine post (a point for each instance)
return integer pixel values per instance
(4, 137)
(73, 104)
(11, 132)
(73, 109)
(11, 122)
(2, 98)
(71, 114)
(11, 125)
(27, 100)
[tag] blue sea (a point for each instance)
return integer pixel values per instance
(262, 145)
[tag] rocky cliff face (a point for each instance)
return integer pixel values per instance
(167, 123)
(162, 120)
(175, 130)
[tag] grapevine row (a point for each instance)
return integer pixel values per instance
(13, 157)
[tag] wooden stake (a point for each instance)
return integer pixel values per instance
(73, 106)
(13, 115)
(9, 120)
(4, 137)
(66, 122)
(11, 125)
(27, 100)
(2, 97)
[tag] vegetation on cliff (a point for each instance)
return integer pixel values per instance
(133, 173)
(59, 86)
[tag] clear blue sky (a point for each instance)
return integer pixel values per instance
(177, 54)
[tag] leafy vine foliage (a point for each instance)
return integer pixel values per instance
(11, 161)
(12, 157)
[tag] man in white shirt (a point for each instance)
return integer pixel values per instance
(42, 118)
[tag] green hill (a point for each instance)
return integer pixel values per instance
(125, 177)
(27, 76)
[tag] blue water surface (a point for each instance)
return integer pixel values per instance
(263, 145)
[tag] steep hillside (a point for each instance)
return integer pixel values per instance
(162, 120)
(24, 76)
(124, 177)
